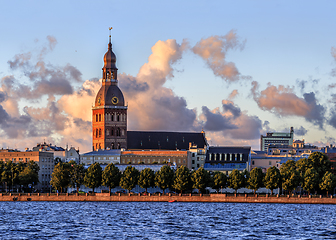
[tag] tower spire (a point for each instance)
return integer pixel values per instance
(110, 28)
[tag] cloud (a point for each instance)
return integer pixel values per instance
(233, 94)
(151, 105)
(214, 51)
(283, 101)
(300, 131)
(231, 122)
(333, 54)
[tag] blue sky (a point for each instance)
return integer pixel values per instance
(287, 43)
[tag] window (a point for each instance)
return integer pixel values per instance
(193, 161)
(198, 165)
(193, 154)
(270, 162)
(99, 117)
(252, 162)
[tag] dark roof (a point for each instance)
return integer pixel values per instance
(164, 140)
(103, 152)
(245, 150)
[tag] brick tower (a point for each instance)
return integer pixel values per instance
(109, 114)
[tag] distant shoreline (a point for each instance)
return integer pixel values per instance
(106, 197)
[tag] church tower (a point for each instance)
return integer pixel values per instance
(109, 114)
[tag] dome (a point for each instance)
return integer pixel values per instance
(109, 96)
(110, 58)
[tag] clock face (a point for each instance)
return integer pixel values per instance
(114, 100)
(99, 101)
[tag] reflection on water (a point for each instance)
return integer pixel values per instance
(141, 220)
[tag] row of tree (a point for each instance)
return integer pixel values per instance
(312, 173)
(18, 175)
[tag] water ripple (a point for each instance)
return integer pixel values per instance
(141, 220)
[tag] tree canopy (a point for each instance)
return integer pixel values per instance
(219, 180)
(146, 178)
(256, 179)
(182, 179)
(111, 176)
(272, 180)
(164, 178)
(93, 176)
(200, 179)
(236, 180)
(129, 178)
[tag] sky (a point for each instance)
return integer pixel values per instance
(236, 69)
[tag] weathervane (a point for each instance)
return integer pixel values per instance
(110, 28)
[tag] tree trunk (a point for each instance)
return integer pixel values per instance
(77, 189)
(146, 191)
(254, 191)
(110, 189)
(271, 191)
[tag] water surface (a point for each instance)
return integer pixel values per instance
(155, 220)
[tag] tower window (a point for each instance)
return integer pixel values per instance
(99, 117)
(118, 118)
(96, 132)
(112, 132)
(99, 132)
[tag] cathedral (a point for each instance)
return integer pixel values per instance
(112, 142)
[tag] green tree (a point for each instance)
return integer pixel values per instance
(182, 179)
(146, 178)
(320, 162)
(129, 178)
(7, 174)
(93, 176)
(256, 179)
(310, 180)
(111, 176)
(164, 178)
(60, 177)
(301, 166)
(77, 174)
(200, 179)
(289, 175)
(236, 180)
(272, 180)
(29, 175)
(246, 175)
(219, 180)
(328, 182)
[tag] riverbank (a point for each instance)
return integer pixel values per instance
(106, 197)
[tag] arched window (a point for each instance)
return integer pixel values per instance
(96, 132)
(118, 118)
(107, 132)
(96, 117)
(96, 146)
(99, 117)
(99, 146)
(112, 146)
(99, 132)
(118, 146)
(112, 132)
(118, 132)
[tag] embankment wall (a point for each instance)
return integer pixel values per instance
(106, 197)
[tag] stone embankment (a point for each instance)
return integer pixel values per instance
(106, 197)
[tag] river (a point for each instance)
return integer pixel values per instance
(155, 220)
